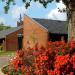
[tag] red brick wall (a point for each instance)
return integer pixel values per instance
(11, 40)
(33, 33)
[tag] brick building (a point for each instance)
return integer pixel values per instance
(9, 38)
(42, 30)
(34, 31)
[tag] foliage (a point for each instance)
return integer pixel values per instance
(57, 59)
(1, 48)
(2, 27)
(28, 2)
(16, 66)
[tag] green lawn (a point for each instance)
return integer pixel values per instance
(7, 53)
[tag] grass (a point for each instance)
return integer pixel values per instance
(7, 53)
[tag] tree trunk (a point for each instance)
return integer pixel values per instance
(71, 25)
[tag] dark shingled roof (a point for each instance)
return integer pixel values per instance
(4, 33)
(54, 26)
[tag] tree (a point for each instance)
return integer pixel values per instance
(70, 7)
(3, 26)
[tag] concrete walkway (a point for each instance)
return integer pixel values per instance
(4, 60)
(1, 72)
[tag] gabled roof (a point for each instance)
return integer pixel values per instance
(54, 26)
(4, 33)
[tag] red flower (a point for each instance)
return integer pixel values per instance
(71, 73)
(50, 72)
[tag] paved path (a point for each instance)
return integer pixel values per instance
(4, 60)
(1, 72)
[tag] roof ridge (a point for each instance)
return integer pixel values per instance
(15, 30)
(9, 31)
(47, 19)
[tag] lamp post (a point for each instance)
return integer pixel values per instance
(20, 37)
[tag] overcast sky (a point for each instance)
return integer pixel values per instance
(36, 10)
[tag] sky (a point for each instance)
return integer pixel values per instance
(35, 10)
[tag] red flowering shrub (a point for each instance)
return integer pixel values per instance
(57, 59)
(16, 65)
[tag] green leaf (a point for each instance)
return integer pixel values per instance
(23, 0)
(57, 0)
(35, 0)
(6, 8)
(19, 72)
(5, 69)
(27, 5)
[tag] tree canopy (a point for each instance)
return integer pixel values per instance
(28, 2)
(3, 27)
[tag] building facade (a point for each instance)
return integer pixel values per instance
(41, 31)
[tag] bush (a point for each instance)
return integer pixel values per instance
(1, 48)
(57, 59)
(5, 69)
